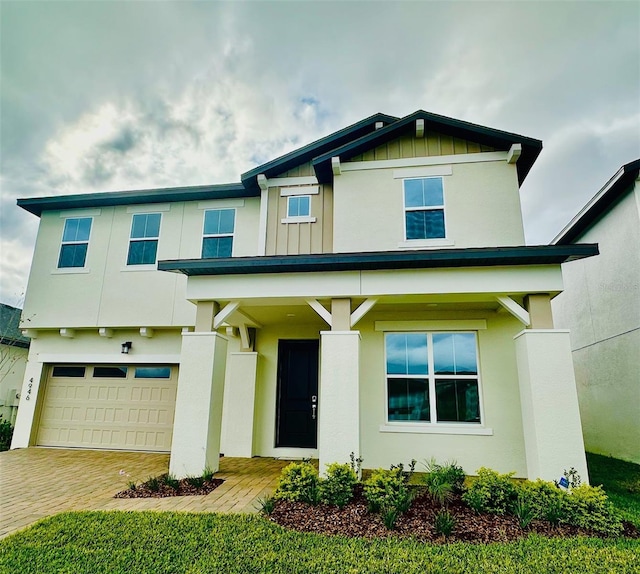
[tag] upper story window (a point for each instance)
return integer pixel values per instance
(299, 206)
(143, 246)
(75, 241)
(432, 377)
(217, 236)
(424, 208)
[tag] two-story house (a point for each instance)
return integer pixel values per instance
(368, 293)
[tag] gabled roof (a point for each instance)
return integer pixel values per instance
(316, 148)
(37, 205)
(10, 333)
(600, 203)
(376, 260)
(498, 139)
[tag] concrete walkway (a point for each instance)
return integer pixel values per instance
(39, 482)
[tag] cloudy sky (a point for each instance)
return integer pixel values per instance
(100, 96)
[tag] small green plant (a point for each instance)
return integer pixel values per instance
(444, 523)
(208, 474)
(406, 473)
(390, 517)
(524, 512)
(171, 481)
(153, 483)
(386, 489)
(298, 482)
(6, 434)
(544, 498)
(337, 487)
(449, 472)
(266, 504)
(196, 481)
(131, 485)
(491, 492)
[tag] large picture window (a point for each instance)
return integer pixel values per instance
(145, 231)
(432, 377)
(424, 208)
(75, 242)
(217, 236)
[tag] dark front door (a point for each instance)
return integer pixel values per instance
(297, 414)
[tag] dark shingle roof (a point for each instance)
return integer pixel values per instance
(10, 333)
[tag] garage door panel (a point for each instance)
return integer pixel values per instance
(115, 413)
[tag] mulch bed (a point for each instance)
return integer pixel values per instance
(354, 520)
(185, 487)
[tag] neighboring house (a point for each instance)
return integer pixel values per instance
(601, 306)
(368, 293)
(14, 348)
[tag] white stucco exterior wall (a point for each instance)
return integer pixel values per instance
(601, 307)
(482, 208)
(14, 363)
(198, 416)
(339, 397)
(549, 403)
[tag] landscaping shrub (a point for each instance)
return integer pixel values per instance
(588, 507)
(443, 481)
(298, 482)
(266, 505)
(387, 489)
(6, 433)
(544, 498)
(491, 492)
(171, 481)
(337, 487)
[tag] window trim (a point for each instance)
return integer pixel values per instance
(82, 269)
(433, 426)
(139, 239)
(216, 235)
(425, 241)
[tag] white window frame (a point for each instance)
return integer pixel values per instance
(298, 218)
(216, 235)
(445, 427)
(137, 239)
(432, 241)
(63, 243)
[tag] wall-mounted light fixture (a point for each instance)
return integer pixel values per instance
(126, 347)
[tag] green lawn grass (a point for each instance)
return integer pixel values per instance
(164, 543)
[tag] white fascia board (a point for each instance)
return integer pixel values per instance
(473, 280)
(421, 161)
(300, 190)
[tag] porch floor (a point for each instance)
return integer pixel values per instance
(39, 482)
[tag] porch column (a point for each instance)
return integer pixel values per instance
(239, 404)
(25, 429)
(198, 416)
(549, 403)
(339, 408)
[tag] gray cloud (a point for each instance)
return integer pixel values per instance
(103, 95)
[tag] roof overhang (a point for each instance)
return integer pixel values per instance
(501, 140)
(419, 259)
(599, 203)
(37, 205)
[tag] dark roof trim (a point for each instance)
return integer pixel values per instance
(308, 152)
(531, 148)
(37, 205)
(599, 204)
(423, 259)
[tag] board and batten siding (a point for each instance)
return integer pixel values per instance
(432, 144)
(300, 238)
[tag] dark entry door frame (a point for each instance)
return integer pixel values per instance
(297, 393)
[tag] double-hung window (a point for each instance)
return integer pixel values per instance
(143, 246)
(424, 208)
(75, 241)
(432, 377)
(217, 236)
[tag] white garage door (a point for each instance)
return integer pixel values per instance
(126, 407)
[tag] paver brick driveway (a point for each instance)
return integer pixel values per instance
(38, 482)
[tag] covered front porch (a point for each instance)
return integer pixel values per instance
(238, 361)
